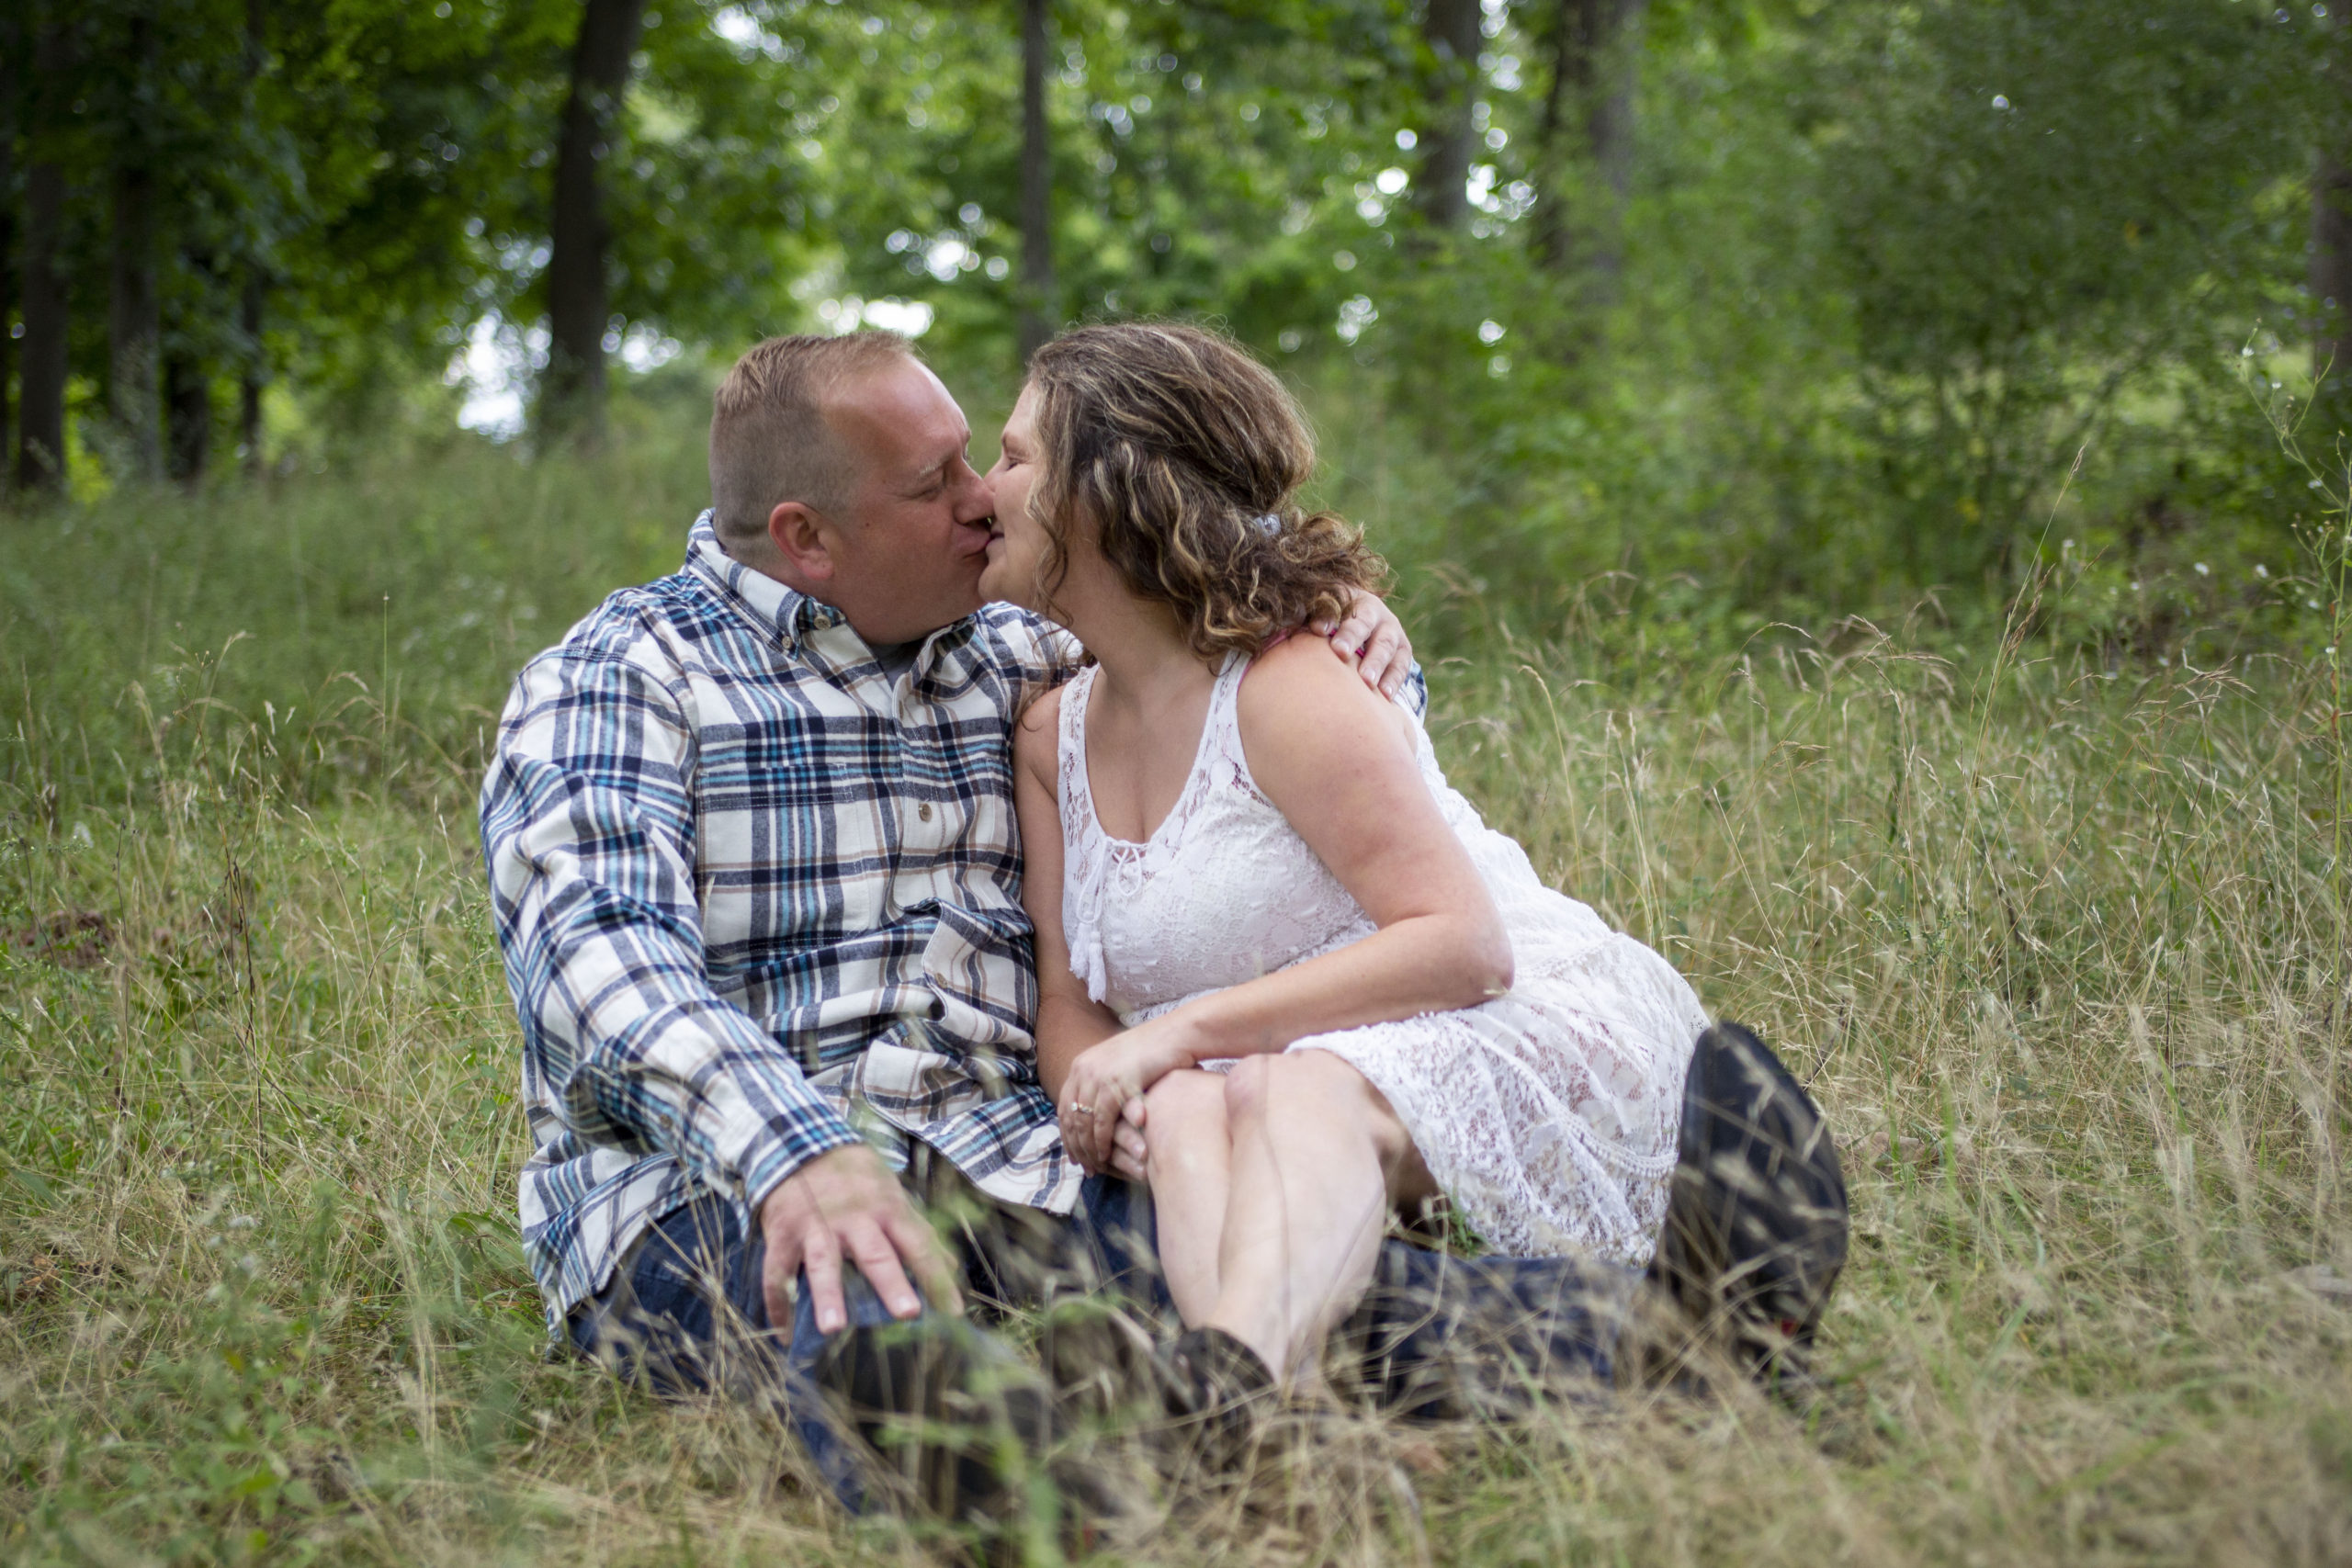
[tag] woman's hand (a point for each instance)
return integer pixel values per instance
(1106, 1087)
(1369, 637)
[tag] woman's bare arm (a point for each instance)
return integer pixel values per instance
(1338, 761)
(1067, 1020)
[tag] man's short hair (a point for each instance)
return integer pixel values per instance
(769, 440)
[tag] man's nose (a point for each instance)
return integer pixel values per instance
(973, 500)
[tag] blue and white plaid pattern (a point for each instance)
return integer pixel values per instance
(758, 900)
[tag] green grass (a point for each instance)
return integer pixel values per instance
(2061, 944)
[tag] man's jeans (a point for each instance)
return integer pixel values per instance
(1437, 1337)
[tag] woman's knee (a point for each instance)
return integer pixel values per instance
(1184, 1116)
(1260, 1087)
(1248, 1087)
(1275, 1090)
(1188, 1096)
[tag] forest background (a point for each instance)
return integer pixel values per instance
(1867, 480)
(1818, 304)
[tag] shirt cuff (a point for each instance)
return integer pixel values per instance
(784, 1147)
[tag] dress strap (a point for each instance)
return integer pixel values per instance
(1225, 716)
(1086, 856)
(1069, 776)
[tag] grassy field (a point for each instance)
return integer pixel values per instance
(2061, 944)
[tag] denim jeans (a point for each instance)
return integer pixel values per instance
(1437, 1337)
(687, 1312)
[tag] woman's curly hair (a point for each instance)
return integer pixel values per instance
(1187, 454)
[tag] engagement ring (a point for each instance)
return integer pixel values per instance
(1083, 1110)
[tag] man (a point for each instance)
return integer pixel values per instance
(751, 840)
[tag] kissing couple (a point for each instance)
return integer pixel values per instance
(952, 895)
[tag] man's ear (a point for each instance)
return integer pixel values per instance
(800, 535)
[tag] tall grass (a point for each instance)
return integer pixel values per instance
(2059, 940)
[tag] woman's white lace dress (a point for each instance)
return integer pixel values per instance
(1547, 1115)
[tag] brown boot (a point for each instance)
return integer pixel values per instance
(1219, 1392)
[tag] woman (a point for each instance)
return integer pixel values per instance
(1291, 996)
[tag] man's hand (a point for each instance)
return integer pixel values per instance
(845, 1204)
(1130, 1152)
(1373, 639)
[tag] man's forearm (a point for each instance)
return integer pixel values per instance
(588, 831)
(646, 1051)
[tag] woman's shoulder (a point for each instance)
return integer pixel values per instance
(1303, 670)
(1298, 659)
(1037, 734)
(1298, 690)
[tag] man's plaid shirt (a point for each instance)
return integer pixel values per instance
(757, 899)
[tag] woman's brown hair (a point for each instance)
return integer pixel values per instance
(1187, 456)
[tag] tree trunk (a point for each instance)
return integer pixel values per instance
(1569, 42)
(253, 364)
(133, 320)
(2331, 271)
(571, 402)
(12, 56)
(187, 353)
(1451, 29)
(2331, 246)
(1587, 124)
(187, 410)
(1038, 315)
(251, 372)
(1610, 125)
(133, 317)
(41, 423)
(1610, 120)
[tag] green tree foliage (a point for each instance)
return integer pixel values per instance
(2041, 203)
(415, 190)
(1805, 297)
(712, 219)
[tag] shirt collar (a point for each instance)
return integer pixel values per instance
(785, 614)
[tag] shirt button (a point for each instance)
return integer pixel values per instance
(923, 812)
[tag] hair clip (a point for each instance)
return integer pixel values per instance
(1269, 524)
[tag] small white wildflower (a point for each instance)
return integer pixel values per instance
(2262, 571)
(2203, 570)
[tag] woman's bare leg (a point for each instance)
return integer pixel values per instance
(1186, 1158)
(1319, 1159)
